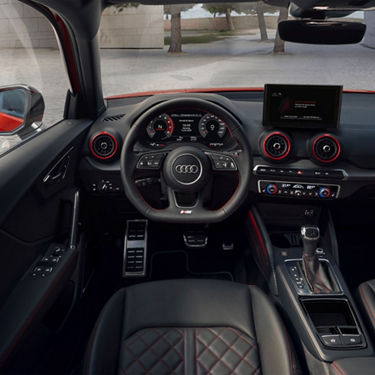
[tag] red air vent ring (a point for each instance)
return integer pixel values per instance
(289, 147)
(107, 156)
(337, 144)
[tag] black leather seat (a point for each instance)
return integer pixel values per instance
(190, 327)
(366, 294)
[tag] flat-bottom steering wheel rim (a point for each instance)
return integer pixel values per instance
(193, 215)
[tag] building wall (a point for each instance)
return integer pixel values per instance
(369, 39)
(220, 23)
(140, 27)
(22, 26)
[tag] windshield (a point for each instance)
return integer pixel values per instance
(225, 45)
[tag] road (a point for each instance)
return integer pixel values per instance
(235, 61)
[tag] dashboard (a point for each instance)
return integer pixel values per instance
(187, 125)
(323, 163)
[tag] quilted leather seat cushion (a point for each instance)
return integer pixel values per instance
(161, 351)
(190, 327)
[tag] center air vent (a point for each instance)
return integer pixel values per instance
(103, 145)
(326, 148)
(277, 146)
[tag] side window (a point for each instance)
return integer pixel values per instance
(31, 73)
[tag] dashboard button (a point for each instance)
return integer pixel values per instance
(262, 170)
(150, 161)
(352, 340)
(222, 162)
(291, 172)
(331, 340)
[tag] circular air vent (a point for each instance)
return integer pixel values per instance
(277, 146)
(326, 148)
(103, 145)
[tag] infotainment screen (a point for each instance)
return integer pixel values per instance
(302, 106)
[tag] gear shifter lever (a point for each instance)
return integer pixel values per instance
(310, 238)
(317, 273)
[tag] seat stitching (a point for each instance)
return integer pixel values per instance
(215, 355)
(337, 368)
(170, 349)
(138, 334)
(206, 345)
(244, 360)
(231, 346)
(364, 297)
(160, 359)
(172, 346)
(196, 354)
(242, 337)
(196, 351)
(340, 368)
(136, 359)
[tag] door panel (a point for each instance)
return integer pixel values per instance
(37, 191)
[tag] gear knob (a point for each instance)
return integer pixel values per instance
(310, 237)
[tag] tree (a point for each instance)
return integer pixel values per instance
(261, 21)
(122, 6)
(222, 8)
(175, 11)
(279, 46)
(257, 8)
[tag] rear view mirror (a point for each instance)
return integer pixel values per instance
(21, 110)
(321, 32)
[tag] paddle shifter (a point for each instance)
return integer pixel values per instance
(317, 272)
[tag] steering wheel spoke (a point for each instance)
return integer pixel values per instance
(151, 161)
(178, 206)
(222, 162)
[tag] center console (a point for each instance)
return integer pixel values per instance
(307, 283)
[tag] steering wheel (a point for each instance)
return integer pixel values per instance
(186, 169)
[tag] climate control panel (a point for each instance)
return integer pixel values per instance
(298, 189)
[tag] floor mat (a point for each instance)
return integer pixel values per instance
(177, 265)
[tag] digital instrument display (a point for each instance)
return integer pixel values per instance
(302, 106)
(186, 125)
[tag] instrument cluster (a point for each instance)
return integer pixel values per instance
(187, 126)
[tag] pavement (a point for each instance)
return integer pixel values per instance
(240, 60)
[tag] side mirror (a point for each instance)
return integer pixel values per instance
(21, 110)
(321, 32)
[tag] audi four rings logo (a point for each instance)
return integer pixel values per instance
(187, 169)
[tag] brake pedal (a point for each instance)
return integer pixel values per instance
(195, 239)
(135, 249)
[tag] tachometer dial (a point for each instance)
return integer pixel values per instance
(160, 127)
(212, 127)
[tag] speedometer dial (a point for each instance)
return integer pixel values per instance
(160, 127)
(212, 127)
